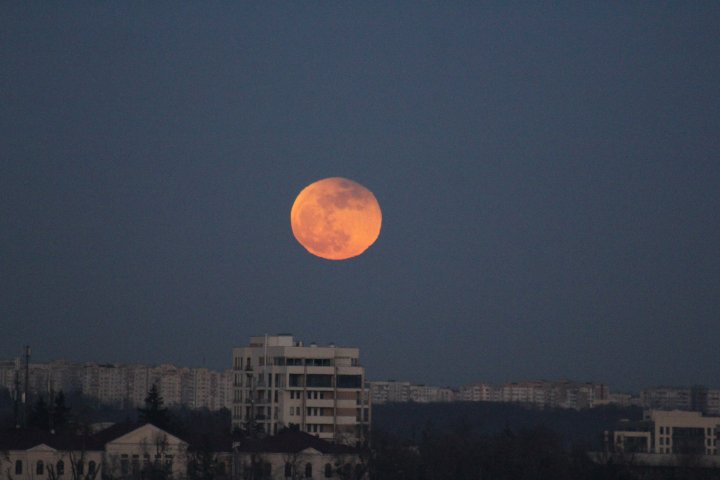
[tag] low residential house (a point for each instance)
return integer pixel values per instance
(132, 452)
(31, 454)
(292, 454)
(122, 451)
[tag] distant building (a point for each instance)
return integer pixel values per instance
(478, 392)
(295, 454)
(389, 392)
(123, 385)
(561, 394)
(668, 432)
(666, 398)
(280, 382)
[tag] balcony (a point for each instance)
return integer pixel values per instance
(345, 420)
(320, 403)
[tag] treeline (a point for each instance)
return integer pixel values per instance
(574, 427)
(75, 413)
(478, 441)
(535, 453)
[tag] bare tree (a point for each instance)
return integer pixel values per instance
(79, 468)
(5, 464)
(204, 464)
(256, 469)
(292, 461)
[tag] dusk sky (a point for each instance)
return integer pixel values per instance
(548, 173)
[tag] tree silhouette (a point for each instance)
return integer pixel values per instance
(154, 411)
(40, 414)
(60, 412)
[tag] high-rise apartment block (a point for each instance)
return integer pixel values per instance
(562, 394)
(697, 398)
(279, 382)
(122, 385)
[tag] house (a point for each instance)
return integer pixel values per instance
(137, 452)
(122, 451)
(292, 454)
(32, 454)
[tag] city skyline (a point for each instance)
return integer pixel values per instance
(42, 379)
(547, 176)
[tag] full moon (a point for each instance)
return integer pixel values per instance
(336, 218)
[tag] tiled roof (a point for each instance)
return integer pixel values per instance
(24, 439)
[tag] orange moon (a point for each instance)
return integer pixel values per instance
(336, 218)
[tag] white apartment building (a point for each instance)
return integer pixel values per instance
(669, 432)
(430, 394)
(392, 391)
(389, 391)
(123, 385)
(479, 392)
(666, 398)
(279, 382)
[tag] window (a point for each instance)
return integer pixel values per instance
(39, 468)
(288, 469)
(91, 468)
(328, 470)
(18, 467)
(308, 470)
(80, 467)
(318, 380)
(124, 464)
(349, 381)
(296, 380)
(60, 467)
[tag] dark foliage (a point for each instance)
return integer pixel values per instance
(55, 416)
(154, 411)
(407, 420)
(39, 415)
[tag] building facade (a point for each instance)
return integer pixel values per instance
(122, 451)
(121, 385)
(669, 432)
(298, 455)
(279, 382)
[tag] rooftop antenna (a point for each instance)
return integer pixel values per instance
(16, 394)
(26, 388)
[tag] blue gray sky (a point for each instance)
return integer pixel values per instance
(548, 175)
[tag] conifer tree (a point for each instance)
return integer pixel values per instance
(154, 411)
